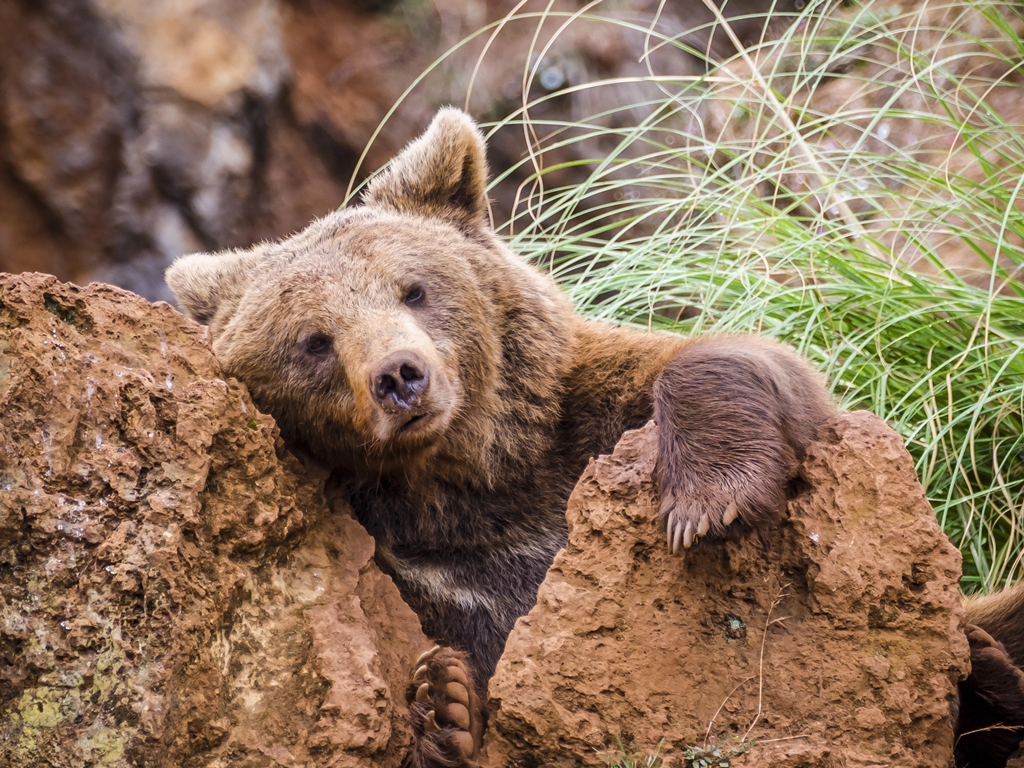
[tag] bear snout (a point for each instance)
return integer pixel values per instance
(400, 382)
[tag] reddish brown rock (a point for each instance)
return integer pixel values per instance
(831, 639)
(175, 590)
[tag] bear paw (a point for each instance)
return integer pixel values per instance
(995, 677)
(693, 509)
(989, 710)
(735, 417)
(448, 716)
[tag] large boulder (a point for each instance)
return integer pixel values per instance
(175, 588)
(832, 638)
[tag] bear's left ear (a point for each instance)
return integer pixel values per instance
(441, 174)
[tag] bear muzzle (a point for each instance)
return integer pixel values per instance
(407, 400)
(401, 383)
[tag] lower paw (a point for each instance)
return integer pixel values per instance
(988, 713)
(448, 715)
(994, 674)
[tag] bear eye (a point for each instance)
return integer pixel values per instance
(415, 295)
(318, 344)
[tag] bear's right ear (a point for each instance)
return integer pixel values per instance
(441, 174)
(206, 284)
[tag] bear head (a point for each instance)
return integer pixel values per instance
(396, 333)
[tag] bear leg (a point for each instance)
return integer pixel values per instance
(448, 714)
(735, 416)
(989, 718)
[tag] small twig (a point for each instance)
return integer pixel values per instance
(990, 728)
(784, 738)
(760, 665)
(707, 734)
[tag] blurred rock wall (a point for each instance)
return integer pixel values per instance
(132, 131)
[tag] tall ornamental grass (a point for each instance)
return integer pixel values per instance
(850, 184)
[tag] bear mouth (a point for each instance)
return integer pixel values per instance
(417, 423)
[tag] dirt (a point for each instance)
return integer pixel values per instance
(831, 639)
(175, 587)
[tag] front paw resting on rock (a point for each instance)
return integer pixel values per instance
(448, 715)
(735, 416)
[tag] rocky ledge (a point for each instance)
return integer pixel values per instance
(832, 639)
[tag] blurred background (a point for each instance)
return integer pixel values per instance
(133, 131)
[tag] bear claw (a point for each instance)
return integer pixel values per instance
(686, 525)
(423, 657)
(448, 716)
(430, 723)
(675, 536)
(731, 513)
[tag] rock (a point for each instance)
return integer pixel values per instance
(831, 639)
(209, 53)
(175, 588)
(131, 133)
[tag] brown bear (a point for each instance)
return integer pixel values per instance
(452, 390)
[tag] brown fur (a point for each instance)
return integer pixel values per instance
(988, 718)
(1002, 616)
(452, 390)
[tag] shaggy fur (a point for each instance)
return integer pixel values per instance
(453, 391)
(988, 717)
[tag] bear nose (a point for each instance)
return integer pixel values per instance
(400, 381)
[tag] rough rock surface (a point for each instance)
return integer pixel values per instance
(175, 590)
(832, 639)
